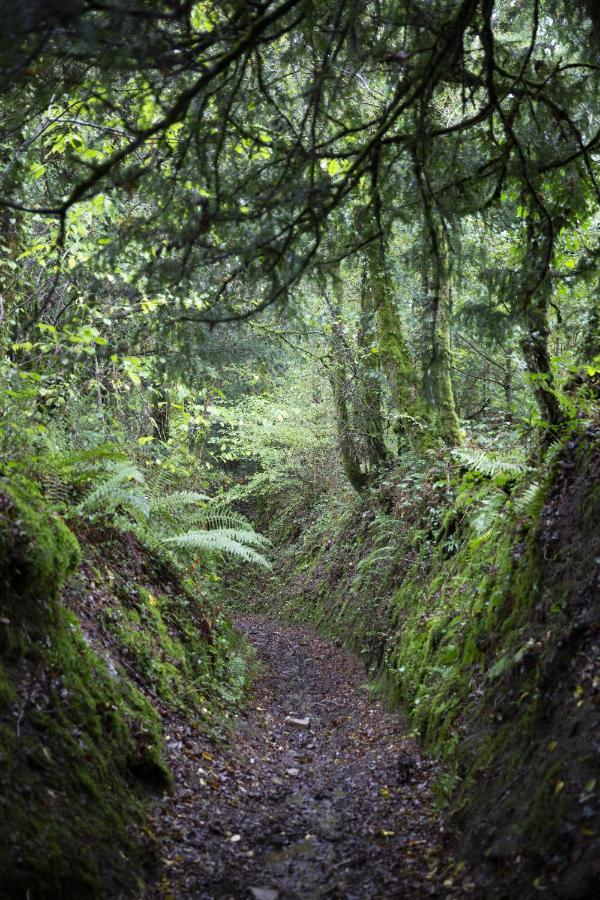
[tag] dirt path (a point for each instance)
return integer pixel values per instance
(339, 806)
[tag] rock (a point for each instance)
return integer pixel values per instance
(264, 893)
(293, 772)
(297, 723)
(405, 767)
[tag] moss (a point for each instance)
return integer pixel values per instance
(71, 777)
(186, 663)
(80, 745)
(479, 640)
(37, 551)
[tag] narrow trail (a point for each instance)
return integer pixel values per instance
(337, 806)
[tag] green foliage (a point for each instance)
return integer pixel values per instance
(422, 275)
(223, 540)
(175, 502)
(37, 551)
(490, 465)
(528, 498)
(474, 643)
(121, 485)
(188, 521)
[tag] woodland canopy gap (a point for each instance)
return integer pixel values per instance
(300, 316)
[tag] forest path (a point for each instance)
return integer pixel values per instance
(336, 806)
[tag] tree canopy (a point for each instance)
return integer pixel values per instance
(410, 184)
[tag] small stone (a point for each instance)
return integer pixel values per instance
(297, 723)
(293, 772)
(262, 893)
(405, 767)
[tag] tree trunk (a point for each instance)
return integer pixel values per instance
(369, 382)
(507, 385)
(341, 389)
(396, 362)
(437, 377)
(534, 346)
(536, 294)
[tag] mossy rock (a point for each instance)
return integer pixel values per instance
(37, 552)
(77, 766)
(80, 747)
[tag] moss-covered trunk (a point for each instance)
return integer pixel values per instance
(339, 377)
(534, 300)
(369, 381)
(438, 372)
(396, 361)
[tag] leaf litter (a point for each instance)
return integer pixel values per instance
(339, 806)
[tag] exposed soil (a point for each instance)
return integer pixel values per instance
(340, 806)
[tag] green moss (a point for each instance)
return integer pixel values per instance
(79, 759)
(80, 747)
(186, 662)
(37, 551)
(472, 622)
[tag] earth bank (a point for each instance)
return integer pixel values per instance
(476, 606)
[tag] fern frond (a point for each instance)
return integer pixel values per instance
(230, 541)
(238, 669)
(219, 518)
(553, 451)
(121, 488)
(527, 498)
(236, 534)
(488, 464)
(103, 453)
(173, 502)
(488, 513)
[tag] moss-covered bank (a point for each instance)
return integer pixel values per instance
(99, 638)
(475, 602)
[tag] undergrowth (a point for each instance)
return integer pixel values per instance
(101, 635)
(455, 586)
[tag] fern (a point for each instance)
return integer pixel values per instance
(488, 464)
(488, 513)
(219, 518)
(64, 475)
(224, 540)
(523, 502)
(174, 502)
(553, 451)
(122, 488)
(187, 520)
(238, 669)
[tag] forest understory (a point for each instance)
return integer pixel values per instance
(267, 762)
(299, 449)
